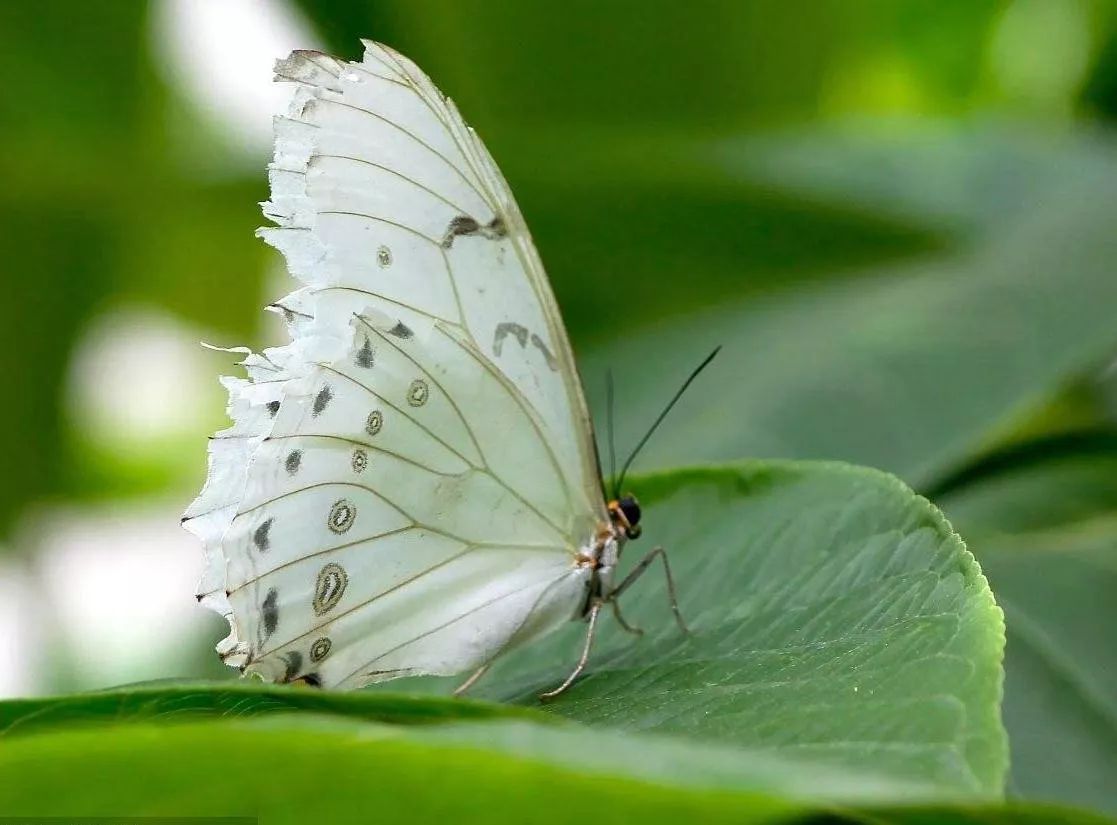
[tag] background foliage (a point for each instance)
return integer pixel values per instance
(896, 216)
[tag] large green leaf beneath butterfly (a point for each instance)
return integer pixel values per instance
(339, 759)
(836, 618)
(290, 769)
(334, 768)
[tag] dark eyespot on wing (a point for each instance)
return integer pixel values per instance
(418, 392)
(273, 408)
(330, 587)
(320, 649)
(341, 516)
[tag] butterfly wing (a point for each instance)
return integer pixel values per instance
(406, 483)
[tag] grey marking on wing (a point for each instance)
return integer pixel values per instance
(505, 329)
(552, 362)
(289, 315)
(321, 401)
(465, 225)
(294, 662)
(260, 536)
(270, 610)
(520, 333)
(365, 354)
(293, 461)
(401, 330)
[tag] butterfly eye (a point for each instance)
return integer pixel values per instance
(634, 531)
(631, 509)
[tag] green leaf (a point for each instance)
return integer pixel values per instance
(912, 370)
(967, 179)
(174, 702)
(1046, 534)
(289, 768)
(836, 618)
(846, 653)
(1013, 814)
(294, 769)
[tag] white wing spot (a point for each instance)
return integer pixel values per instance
(418, 393)
(360, 461)
(332, 581)
(341, 516)
(384, 257)
(375, 422)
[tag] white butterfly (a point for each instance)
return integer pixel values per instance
(410, 486)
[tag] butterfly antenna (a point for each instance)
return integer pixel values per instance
(609, 424)
(663, 415)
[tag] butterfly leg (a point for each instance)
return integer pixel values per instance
(574, 674)
(635, 631)
(638, 571)
(472, 680)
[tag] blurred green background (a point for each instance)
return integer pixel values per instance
(896, 215)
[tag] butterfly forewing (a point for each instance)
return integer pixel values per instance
(407, 483)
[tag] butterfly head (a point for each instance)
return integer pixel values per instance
(625, 512)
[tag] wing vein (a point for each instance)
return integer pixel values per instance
(447, 122)
(401, 176)
(403, 226)
(372, 294)
(442, 626)
(471, 184)
(524, 405)
(405, 414)
(433, 380)
(496, 545)
(488, 470)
